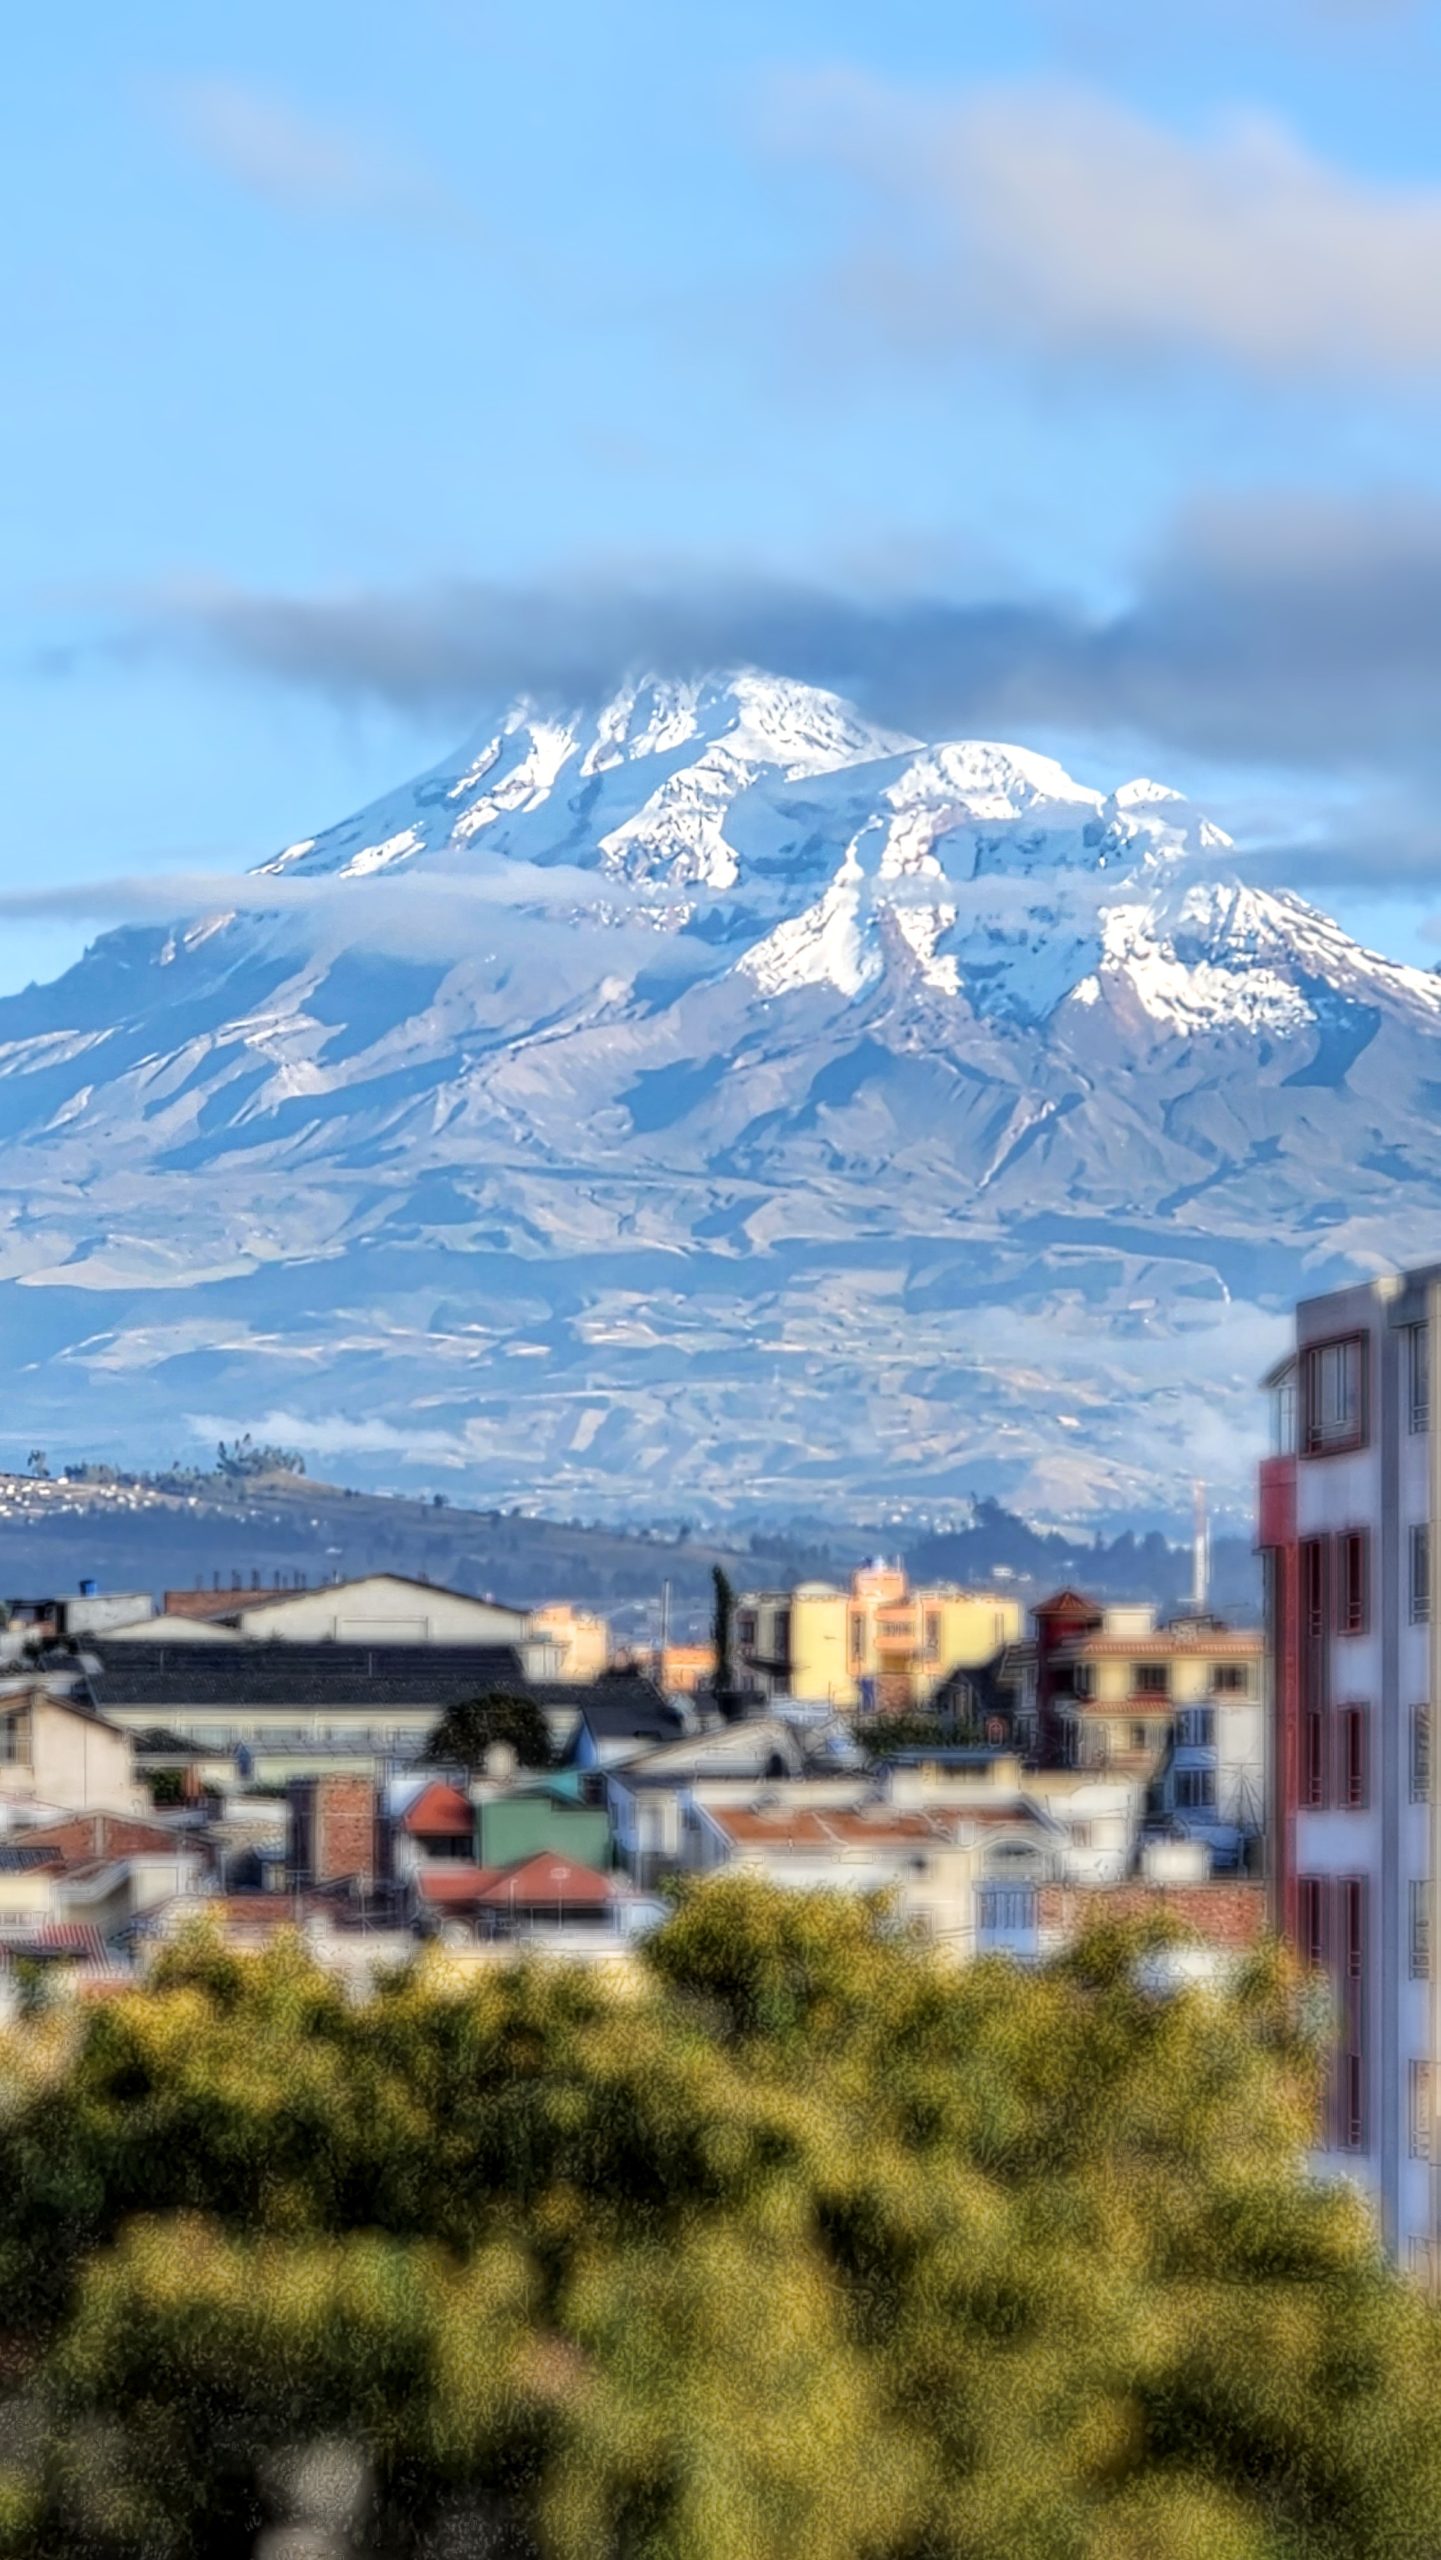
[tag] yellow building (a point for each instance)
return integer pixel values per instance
(1129, 1692)
(880, 1645)
(582, 1639)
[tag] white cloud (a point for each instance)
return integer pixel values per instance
(302, 162)
(1057, 217)
(336, 1435)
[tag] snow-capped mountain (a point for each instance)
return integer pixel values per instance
(706, 1100)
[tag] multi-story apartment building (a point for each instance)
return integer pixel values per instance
(1178, 1707)
(880, 1646)
(1348, 1503)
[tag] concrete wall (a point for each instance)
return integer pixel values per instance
(381, 1608)
(76, 1763)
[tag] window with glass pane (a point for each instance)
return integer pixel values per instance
(1420, 1573)
(1420, 1754)
(1420, 2110)
(1418, 1374)
(1352, 1578)
(1354, 1773)
(1420, 1930)
(1332, 1382)
(1283, 1414)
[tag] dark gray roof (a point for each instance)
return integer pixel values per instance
(620, 1707)
(269, 1674)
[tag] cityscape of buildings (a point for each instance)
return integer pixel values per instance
(267, 1758)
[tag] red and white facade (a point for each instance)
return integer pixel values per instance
(1347, 1506)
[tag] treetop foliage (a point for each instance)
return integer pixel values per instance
(803, 2246)
(466, 1732)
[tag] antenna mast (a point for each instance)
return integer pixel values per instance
(1200, 1550)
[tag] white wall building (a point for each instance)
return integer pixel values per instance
(1348, 1507)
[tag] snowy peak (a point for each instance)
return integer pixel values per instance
(820, 852)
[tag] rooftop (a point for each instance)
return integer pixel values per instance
(792, 1826)
(268, 1674)
(440, 1812)
(545, 1879)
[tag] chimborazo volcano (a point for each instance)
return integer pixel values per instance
(707, 1103)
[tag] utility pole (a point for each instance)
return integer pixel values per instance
(1200, 1550)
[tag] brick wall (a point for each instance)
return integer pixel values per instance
(1231, 1916)
(340, 1830)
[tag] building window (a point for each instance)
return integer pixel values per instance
(1352, 1583)
(1353, 2103)
(1355, 1893)
(1420, 2110)
(1138, 1737)
(1420, 1755)
(1196, 1728)
(933, 1634)
(1418, 1375)
(1354, 1774)
(746, 1630)
(1153, 1680)
(1420, 1573)
(1195, 1790)
(1312, 1922)
(1313, 1586)
(1420, 1929)
(858, 1636)
(15, 1744)
(1231, 1680)
(1313, 1760)
(1333, 1404)
(1351, 2078)
(1283, 1414)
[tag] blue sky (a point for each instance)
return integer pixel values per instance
(1109, 348)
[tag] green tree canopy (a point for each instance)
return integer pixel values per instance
(465, 1733)
(805, 2246)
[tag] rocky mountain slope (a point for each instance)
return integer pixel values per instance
(714, 1100)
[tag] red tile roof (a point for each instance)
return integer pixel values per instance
(1163, 1644)
(548, 1877)
(1224, 1913)
(547, 1880)
(452, 1881)
(58, 1938)
(222, 1604)
(832, 1827)
(81, 1837)
(440, 1812)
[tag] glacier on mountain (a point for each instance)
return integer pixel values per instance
(711, 1101)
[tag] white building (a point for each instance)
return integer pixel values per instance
(375, 1608)
(1348, 1503)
